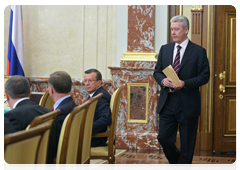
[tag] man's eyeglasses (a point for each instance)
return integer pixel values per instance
(89, 81)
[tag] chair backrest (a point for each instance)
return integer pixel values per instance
(85, 148)
(43, 147)
(114, 105)
(22, 147)
(69, 137)
(45, 118)
(46, 101)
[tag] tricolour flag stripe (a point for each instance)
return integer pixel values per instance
(15, 44)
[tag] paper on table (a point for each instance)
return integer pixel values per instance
(170, 73)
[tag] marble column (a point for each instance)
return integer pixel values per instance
(141, 28)
(140, 45)
(137, 126)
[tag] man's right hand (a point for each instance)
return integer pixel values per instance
(167, 82)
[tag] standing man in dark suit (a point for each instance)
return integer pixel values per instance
(102, 116)
(180, 104)
(17, 90)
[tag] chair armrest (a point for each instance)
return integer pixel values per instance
(102, 134)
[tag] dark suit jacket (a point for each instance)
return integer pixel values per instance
(102, 117)
(8, 127)
(194, 71)
(24, 113)
(66, 106)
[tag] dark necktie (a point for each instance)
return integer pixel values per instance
(176, 64)
(88, 97)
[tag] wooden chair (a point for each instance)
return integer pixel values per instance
(23, 147)
(48, 117)
(108, 152)
(84, 151)
(46, 101)
(69, 139)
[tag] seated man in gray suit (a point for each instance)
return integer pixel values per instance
(17, 91)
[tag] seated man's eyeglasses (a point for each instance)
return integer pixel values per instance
(89, 81)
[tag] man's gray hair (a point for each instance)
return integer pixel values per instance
(17, 87)
(183, 19)
(61, 81)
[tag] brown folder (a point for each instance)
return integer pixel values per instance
(170, 73)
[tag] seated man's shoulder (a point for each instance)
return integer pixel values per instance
(35, 106)
(67, 106)
(106, 94)
(44, 108)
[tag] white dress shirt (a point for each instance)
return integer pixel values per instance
(59, 101)
(15, 104)
(182, 50)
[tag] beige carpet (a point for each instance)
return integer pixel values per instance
(100, 161)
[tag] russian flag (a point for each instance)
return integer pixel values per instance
(15, 42)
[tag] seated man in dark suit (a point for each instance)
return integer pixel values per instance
(59, 86)
(17, 90)
(102, 117)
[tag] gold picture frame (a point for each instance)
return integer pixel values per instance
(137, 102)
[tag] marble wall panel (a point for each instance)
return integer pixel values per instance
(79, 94)
(132, 135)
(140, 28)
(138, 64)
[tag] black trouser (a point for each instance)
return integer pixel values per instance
(169, 119)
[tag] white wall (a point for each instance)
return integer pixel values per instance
(122, 32)
(161, 26)
(70, 38)
(187, 13)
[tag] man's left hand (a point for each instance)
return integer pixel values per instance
(178, 87)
